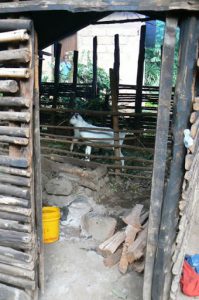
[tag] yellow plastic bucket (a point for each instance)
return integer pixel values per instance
(50, 217)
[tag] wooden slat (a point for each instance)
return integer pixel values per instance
(15, 56)
(14, 102)
(15, 226)
(15, 116)
(14, 131)
(183, 104)
(13, 200)
(18, 210)
(18, 282)
(15, 255)
(13, 24)
(14, 140)
(160, 157)
(13, 162)
(8, 292)
(14, 171)
(14, 191)
(14, 217)
(14, 36)
(14, 72)
(16, 271)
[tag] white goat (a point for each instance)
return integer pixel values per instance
(106, 137)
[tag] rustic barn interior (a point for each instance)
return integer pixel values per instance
(35, 138)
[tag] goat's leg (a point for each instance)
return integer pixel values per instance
(122, 160)
(72, 144)
(88, 153)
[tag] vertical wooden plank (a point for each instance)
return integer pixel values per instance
(37, 171)
(75, 69)
(140, 71)
(117, 59)
(56, 73)
(114, 97)
(94, 83)
(184, 94)
(40, 67)
(159, 167)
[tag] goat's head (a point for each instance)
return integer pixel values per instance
(76, 118)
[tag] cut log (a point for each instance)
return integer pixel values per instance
(14, 131)
(188, 161)
(18, 282)
(196, 106)
(15, 116)
(138, 266)
(113, 259)
(14, 140)
(14, 262)
(134, 217)
(13, 200)
(14, 102)
(111, 245)
(14, 73)
(8, 86)
(14, 225)
(194, 116)
(14, 191)
(16, 209)
(8, 292)
(15, 56)
(15, 236)
(13, 162)
(194, 128)
(16, 271)
(136, 250)
(14, 171)
(14, 36)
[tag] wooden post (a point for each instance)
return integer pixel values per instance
(114, 96)
(159, 167)
(56, 72)
(140, 72)
(94, 83)
(117, 60)
(75, 69)
(37, 171)
(184, 94)
(40, 67)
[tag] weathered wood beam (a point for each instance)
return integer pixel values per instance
(14, 101)
(14, 217)
(17, 281)
(15, 255)
(94, 82)
(14, 56)
(7, 200)
(182, 109)
(160, 157)
(16, 271)
(101, 6)
(14, 171)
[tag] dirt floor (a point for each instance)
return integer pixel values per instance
(74, 271)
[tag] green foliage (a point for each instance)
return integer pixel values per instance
(153, 58)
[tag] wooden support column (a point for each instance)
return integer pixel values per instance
(94, 83)
(140, 73)
(40, 67)
(56, 79)
(117, 60)
(75, 69)
(182, 109)
(159, 167)
(114, 96)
